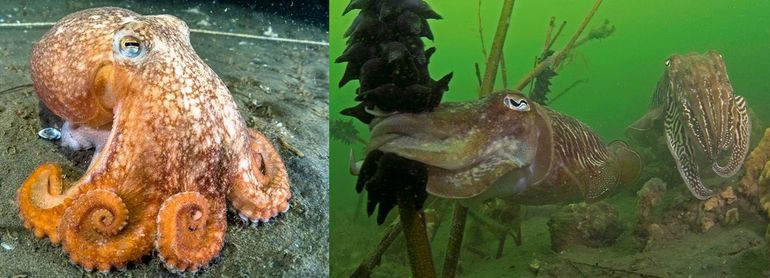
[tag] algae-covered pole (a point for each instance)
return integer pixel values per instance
(497, 48)
(556, 58)
(418, 246)
(373, 260)
(459, 216)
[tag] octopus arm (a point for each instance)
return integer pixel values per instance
(42, 201)
(260, 189)
(106, 228)
(191, 230)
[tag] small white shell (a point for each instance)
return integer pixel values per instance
(49, 133)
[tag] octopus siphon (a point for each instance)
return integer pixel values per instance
(506, 146)
(694, 108)
(171, 146)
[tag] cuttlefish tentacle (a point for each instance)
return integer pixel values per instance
(261, 186)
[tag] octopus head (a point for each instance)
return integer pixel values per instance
(90, 60)
(468, 147)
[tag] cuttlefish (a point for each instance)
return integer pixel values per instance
(694, 108)
(506, 146)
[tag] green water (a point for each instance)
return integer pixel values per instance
(621, 73)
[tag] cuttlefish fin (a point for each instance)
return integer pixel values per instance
(647, 121)
(629, 161)
(681, 149)
(741, 145)
(622, 167)
(638, 131)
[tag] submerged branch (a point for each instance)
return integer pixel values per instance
(481, 33)
(459, 217)
(570, 87)
(373, 260)
(493, 59)
(559, 56)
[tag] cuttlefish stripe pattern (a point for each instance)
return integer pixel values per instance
(701, 107)
(682, 151)
(585, 153)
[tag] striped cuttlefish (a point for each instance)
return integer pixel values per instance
(694, 107)
(506, 146)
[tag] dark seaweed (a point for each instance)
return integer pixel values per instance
(386, 54)
(543, 81)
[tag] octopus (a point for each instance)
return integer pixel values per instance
(509, 147)
(694, 108)
(171, 146)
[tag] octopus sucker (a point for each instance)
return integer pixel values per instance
(697, 113)
(171, 146)
(191, 231)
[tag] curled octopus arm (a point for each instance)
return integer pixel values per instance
(260, 190)
(42, 200)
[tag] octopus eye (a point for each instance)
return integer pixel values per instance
(130, 47)
(668, 62)
(520, 105)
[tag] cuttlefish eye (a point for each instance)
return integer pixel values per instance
(130, 47)
(519, 104)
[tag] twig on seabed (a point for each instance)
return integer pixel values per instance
(626, 271)
(289, 147)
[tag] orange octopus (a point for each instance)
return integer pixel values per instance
(171, 146)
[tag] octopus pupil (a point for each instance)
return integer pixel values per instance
(130, 47)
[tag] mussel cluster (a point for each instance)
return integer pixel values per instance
(386, 54)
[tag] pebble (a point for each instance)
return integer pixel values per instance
(49, 133)
(7, 246)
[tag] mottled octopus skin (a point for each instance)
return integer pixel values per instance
(176, 149)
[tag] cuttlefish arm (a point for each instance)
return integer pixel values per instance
(681, 149)
(739, 149)
(507, 147)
